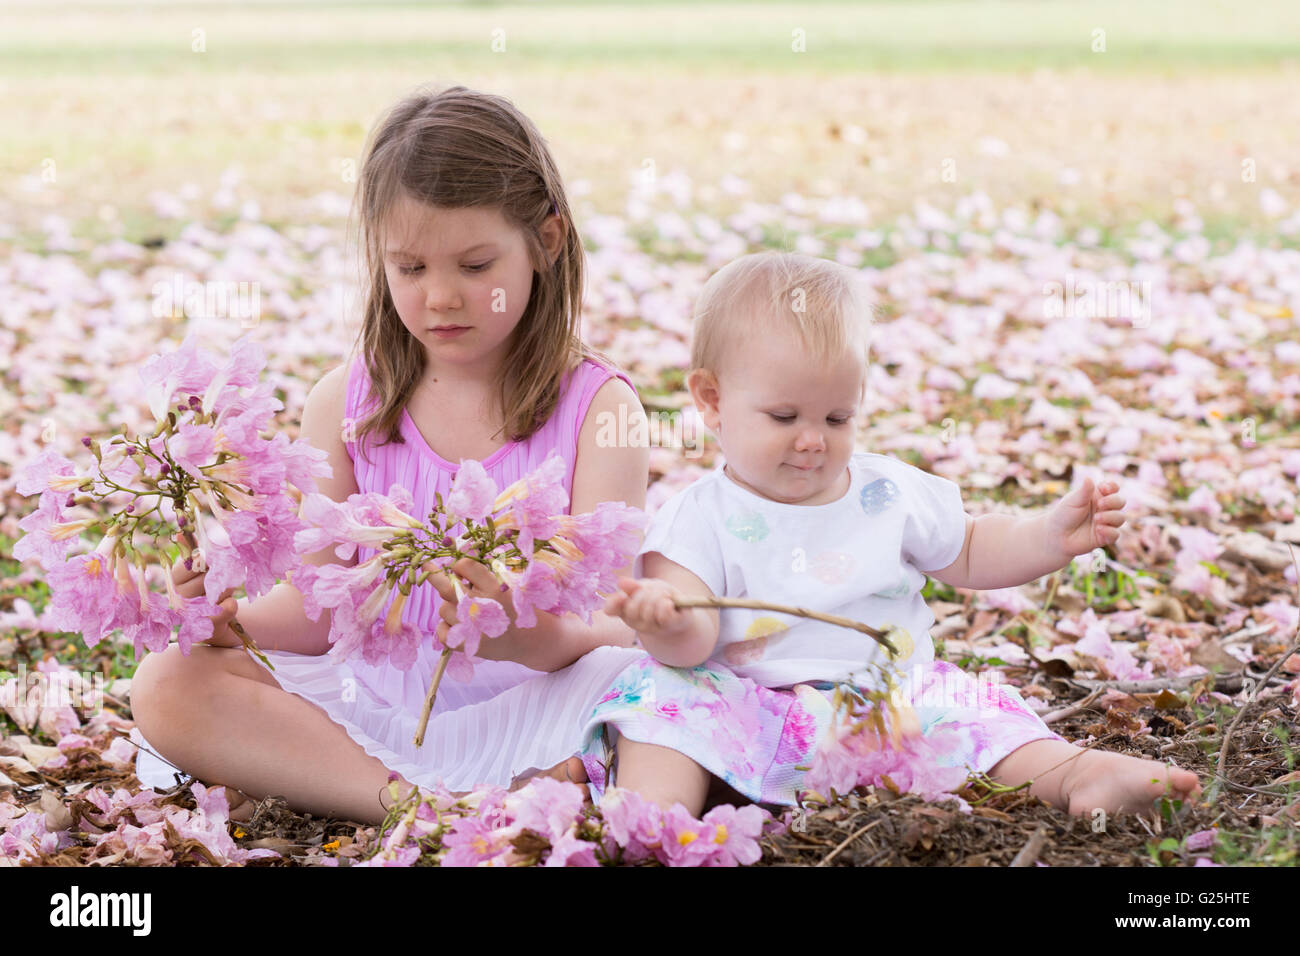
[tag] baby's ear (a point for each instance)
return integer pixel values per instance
(704, 388)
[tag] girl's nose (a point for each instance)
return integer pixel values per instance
(439, 297)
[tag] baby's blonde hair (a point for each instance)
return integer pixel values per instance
(827, 305)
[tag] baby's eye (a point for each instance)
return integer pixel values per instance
(783, 419)
(839, 421)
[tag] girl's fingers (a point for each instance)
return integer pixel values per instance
(442, 586)
(192, 588)
(482, 578)
(229, 608)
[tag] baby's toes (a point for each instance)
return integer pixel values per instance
(1184, 782)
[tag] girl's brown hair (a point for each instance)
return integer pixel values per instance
(461, 148)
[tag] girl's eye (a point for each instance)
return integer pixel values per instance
(412, 270)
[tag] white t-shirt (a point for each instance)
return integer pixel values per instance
(860, 557)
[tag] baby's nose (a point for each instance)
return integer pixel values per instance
(810, 438)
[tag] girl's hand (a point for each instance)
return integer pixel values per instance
(478, 581)
(1087, 518)
(190, 584)
(646, 605)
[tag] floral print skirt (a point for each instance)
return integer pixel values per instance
(761, 741)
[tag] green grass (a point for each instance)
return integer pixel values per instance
(1003, 35)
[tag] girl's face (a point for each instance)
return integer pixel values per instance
(786, 423)
(465, 268)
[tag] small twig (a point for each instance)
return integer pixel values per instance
(1074, 708)
(684, 602)
(1033, 846)
(428, 698)
(849, 839)
(113, 700)
(1227, 735)
(1221, 682)
(1267, 791)
(1248, 632)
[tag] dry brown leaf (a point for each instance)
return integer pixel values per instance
(272, 843)
(1164, 605)
(1210, 655)
(1168, 700)
(1258, 550)
(39, 754)
(20, 770)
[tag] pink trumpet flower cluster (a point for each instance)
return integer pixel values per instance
(547, 823)
(205, 479)
(876, 741)
(548, 560)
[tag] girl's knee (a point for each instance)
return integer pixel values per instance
(167, 680)
(159, 680)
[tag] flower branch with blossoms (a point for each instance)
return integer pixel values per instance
(543, 560)
(550, 823)
(204, 480)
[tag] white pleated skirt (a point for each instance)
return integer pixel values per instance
(507, 723)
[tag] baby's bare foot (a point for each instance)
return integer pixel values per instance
(1119, 782)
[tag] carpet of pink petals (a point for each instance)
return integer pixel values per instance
(1191, 409)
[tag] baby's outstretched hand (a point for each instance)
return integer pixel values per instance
(1088, 517)
(646, 605)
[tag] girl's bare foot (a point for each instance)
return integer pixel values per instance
(571, 770)
(241, 808)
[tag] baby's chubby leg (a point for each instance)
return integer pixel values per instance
(1080, 781)
(661, 775)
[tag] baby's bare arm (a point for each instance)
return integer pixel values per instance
(1003, 551)
(678, 637)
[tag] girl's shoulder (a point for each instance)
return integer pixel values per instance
(595, 393)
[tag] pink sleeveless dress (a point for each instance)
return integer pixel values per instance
(509, 721)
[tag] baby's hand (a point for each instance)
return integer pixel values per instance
(646, 605)
(1088, 517)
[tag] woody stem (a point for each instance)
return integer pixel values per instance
(428, 699)
(787, 609)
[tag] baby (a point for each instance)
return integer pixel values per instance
(796, 516)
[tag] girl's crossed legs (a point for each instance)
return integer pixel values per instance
(221, 716)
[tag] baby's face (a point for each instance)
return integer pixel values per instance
(785, 422)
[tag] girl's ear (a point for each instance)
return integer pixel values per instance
(552, 233)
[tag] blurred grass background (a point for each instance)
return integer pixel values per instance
(119, 100)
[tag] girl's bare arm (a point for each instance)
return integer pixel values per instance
(602, 472)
